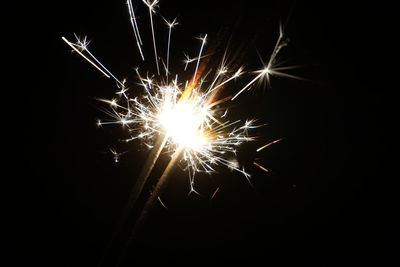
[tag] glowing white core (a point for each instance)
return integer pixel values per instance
(183, 123)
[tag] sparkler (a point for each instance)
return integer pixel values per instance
(187, 119)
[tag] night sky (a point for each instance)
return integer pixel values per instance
(330, 198)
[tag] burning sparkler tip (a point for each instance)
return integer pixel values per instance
(188, 117)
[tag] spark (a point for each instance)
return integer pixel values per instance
(272, 67)
(236, 75)
(151, 6)
(270, 143)
(203, 41)
(84, 47)
(116, 155)
(162, 203)
(263, 72)
(215, 192)
(192, 187)
(73, 46)
(81, 46)
(170, 26)
(260, 166)
(189, 60)
(262, 148)
(135, 28)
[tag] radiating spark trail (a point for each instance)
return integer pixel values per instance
(261, 167)
(83, 56)
(133, 17)
(151, 7)
(187, 61)
(82, 45)
(135, 27)
(271, 68)
(236, 75)
(191, 182)
(120, 84)
(170, 26)
(162, 203)
(203, 39)
(261, 74)
(278, 46)
(264, 147)
(220, 72)
(270, 143)
(215, 193)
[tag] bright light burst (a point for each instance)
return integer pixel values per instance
(189, 118)
(188, 114)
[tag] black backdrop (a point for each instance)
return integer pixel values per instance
(329, 199)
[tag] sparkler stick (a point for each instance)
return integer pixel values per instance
(156, 192)
(152, 200)
(146, 170)
(136, 191)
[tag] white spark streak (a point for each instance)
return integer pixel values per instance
(151, 6)
(83, 56)
(170, 26)
(82, 45)
(272, 69)
(135, 27)
(270, 143)
(261, 74)
(203, 39)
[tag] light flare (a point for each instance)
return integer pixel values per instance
(190, 117)
(190, 122)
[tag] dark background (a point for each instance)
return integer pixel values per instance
(329, 200)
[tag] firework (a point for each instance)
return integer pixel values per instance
(187, 119)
